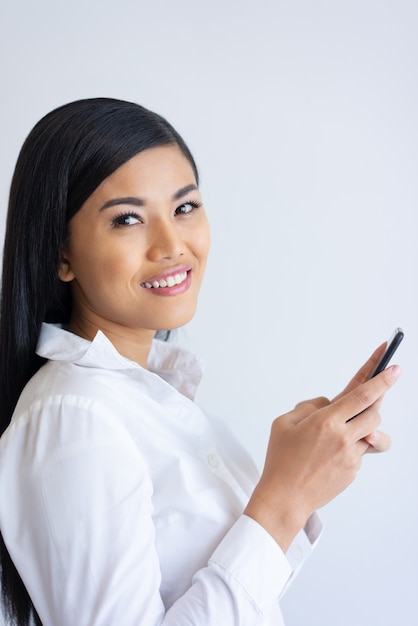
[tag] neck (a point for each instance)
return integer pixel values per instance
(134, 344)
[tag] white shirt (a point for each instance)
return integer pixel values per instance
(121, 501)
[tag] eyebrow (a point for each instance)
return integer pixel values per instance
(133, 201)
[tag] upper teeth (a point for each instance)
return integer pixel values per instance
(170, 281)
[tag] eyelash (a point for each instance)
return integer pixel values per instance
(193, 203)
(118, 220)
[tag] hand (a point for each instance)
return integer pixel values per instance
(378, 441)
(314, 453)
(364, 372)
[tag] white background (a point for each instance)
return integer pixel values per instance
(302, 116)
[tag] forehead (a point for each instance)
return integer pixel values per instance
(156, 170)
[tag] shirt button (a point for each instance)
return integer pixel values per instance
(213, 460)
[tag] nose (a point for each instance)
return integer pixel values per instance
(165, 241)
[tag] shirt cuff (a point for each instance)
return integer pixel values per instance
(302, 545)
(249, 557)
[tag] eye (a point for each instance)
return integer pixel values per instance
(187, 207)
(126, 219)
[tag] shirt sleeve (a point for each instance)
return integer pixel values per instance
(80, 530)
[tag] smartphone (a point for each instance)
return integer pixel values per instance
(392, 346)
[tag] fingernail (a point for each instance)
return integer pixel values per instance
(396, 371)
(373, 437)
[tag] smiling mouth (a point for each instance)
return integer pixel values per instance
(169, 281)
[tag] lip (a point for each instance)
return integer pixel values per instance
(175, 289)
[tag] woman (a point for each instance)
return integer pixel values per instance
(121, 501)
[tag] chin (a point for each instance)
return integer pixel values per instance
(174, 322)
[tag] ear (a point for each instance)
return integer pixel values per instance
(65, 273)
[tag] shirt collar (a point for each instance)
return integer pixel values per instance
(177, 366)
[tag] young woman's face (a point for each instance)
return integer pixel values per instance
(138, 246)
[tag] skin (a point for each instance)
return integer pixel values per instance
(115, 246)
(118, 246)
(314, 452)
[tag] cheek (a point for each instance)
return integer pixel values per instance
(201, 242)
(115, 279)
(105, 265)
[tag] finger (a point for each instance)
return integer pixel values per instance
(362, 447)
(378, 442)
(316, 403)
(366, 423)
(305, 408)
(364, 395)
(364, 372)
(299, 413)
(375, 406)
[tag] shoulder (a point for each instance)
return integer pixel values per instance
(62, 426)
(62, 444)
(64, 410)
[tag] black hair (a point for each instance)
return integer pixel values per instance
(63, 160)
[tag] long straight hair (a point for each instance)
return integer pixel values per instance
(63, 160)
